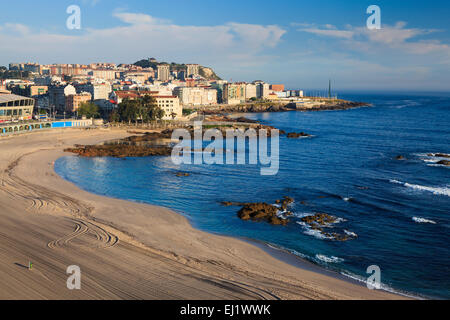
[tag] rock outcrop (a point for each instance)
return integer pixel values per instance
(294, 135)
(439, 155)
(321, 222)
(119, 151)
(261, 211)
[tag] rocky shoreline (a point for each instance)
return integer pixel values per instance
(278, 214)
(147, 144)
(277, 107)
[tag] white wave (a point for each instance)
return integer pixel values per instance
(445, 191)
(326, 259)
(310, 232)
(384, 287)
(351, 234)
(435, 155)
(423, 220)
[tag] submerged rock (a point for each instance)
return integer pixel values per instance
(182, 174)
(322, 219)
(293, 135)
(321, 222)
(400, 158)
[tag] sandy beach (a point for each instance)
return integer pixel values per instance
(126, 250)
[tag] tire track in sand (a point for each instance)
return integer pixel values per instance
(85, 231)
(42, 199)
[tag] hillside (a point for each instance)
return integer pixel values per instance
(205, 72)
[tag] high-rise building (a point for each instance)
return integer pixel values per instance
(163, 72)
(192, 70)
(262, 89)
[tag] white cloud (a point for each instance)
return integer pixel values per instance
(143, 36)
(396, 37)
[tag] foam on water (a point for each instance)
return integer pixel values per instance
(351, 234)
(423, 220)
(326, 259)
(445, 191)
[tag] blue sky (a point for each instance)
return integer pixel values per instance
(299, 43)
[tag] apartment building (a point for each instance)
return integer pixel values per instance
(171, 106)
(164, 72)
(194, 96)
(234, 93)
(74, 101)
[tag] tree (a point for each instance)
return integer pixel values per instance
(143, 109)
(114, 116)
(88, 109)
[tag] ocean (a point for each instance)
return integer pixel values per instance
(396, 211)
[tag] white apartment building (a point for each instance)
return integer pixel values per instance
(250, 91)
(98, 91)
(194, 96)
(171, 106)
(262, 90)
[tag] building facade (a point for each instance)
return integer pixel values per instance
(250, 91)
(164, 72)
(194, 96)
(171, 107)
(98, 91)
(234, 93)
(57, 96)
(193, 70)
(14, 107)
(74, 101)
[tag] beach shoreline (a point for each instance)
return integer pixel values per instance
(128, 237)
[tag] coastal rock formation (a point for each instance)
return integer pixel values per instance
(285, 202)
(119, 151)
(321, 221)
(293, 135)
(439, 155)
(258, 107)
(444, 162)
(263, 211)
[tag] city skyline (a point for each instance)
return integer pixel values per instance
(299, 44)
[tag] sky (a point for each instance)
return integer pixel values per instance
(301, 44)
